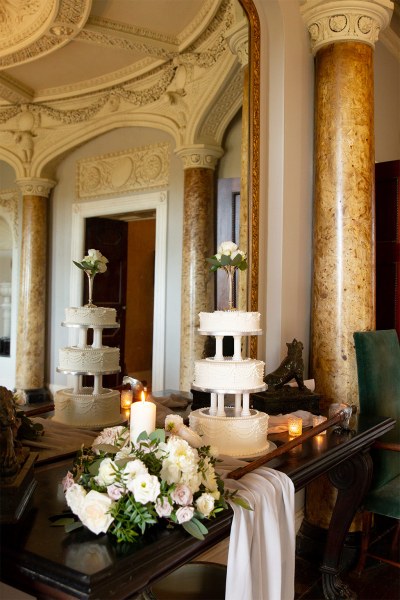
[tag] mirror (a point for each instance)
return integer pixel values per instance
(33, 128)
(5, 286)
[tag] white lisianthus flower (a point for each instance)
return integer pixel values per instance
(182, 495)
(75, 496)
(184, 514)
(107, 472)
(94, 512)
(163, 507)
(173, 423)
(146, 488)
(133, 469)
(205, 504)
(124, 453)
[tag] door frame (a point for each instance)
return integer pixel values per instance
(128, 204)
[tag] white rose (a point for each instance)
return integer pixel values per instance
(227, 248)
(192, 479)
(107, 472)
(205, 504)
(94, 512)
(75, 496)
(146, 488)
(163, 507)
(182, 454)
(184, 514)
(182, 495)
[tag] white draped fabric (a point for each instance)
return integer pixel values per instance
(261, 558)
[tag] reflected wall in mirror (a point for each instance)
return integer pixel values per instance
(5, 286)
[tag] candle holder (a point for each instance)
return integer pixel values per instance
(295, 426)
(126, 399)
(317, 420)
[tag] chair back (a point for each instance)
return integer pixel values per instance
(378, 370)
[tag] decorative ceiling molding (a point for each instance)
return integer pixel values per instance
(34, 28)
(119, 173)
(9, 200)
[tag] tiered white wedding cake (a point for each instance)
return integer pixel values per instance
(89, 407)
(235, 430)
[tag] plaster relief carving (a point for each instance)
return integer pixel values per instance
(9, 210)
(33, 28)
(138, 169)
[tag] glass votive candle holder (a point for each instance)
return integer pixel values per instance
(295, 426)
(317, 420)
(126, 399)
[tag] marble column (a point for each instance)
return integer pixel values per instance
(31, 340)
(198, 243)
(343, 34)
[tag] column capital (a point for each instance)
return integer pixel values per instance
(199, 156)
(345, 20)
(35, 186)
(238, 40)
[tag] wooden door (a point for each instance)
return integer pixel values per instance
(387, 209)
(110, 236)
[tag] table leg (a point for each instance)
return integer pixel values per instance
(352, 479)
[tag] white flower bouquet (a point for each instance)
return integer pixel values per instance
(122, 487)
(93, 263)
(228, 255)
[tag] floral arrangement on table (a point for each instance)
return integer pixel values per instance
(229, 258)
(122, 487)
(92, 264)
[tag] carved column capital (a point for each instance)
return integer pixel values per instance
(35, 186)
(238, 40)
(199, 156)
(345, 20)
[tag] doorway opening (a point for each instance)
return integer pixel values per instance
(146, 208)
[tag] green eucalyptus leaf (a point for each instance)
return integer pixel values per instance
(78, 265)
(158, 435)
(200, 525)
(225, 260)
(193, 530)
(106, 448)
(73, 526)
(63, 522)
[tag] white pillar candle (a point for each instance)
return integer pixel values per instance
(143, 418)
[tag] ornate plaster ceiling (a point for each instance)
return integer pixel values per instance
(50, 49)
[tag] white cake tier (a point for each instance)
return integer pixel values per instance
(87, 410)
(96, 316)
(89, 360)
(228, 374)
(232, 321)
(233, 436)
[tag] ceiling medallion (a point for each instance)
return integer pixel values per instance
(34, 28)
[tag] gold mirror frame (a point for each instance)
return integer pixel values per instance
(253, 158)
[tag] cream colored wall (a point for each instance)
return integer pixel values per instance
(285, 179)
(387, 105)
(63, 197)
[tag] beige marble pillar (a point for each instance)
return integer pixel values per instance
(32, 289)
(343, 34)
(198, 244)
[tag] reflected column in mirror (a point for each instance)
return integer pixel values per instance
(5, 287)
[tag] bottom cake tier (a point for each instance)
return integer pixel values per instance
(241, 437)
(87, 410)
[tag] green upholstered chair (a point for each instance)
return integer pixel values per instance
(378, 370)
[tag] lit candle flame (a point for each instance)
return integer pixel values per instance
(143, 395)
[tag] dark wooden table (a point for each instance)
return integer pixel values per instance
(52, 564)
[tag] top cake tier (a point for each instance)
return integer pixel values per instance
(230, 321)
(95, 316)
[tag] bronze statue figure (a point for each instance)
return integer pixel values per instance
(292, 367)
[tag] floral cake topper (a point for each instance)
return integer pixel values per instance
(92, 264)
(229, 258)
(228, 255)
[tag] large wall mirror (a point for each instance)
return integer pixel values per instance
(170, 53)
